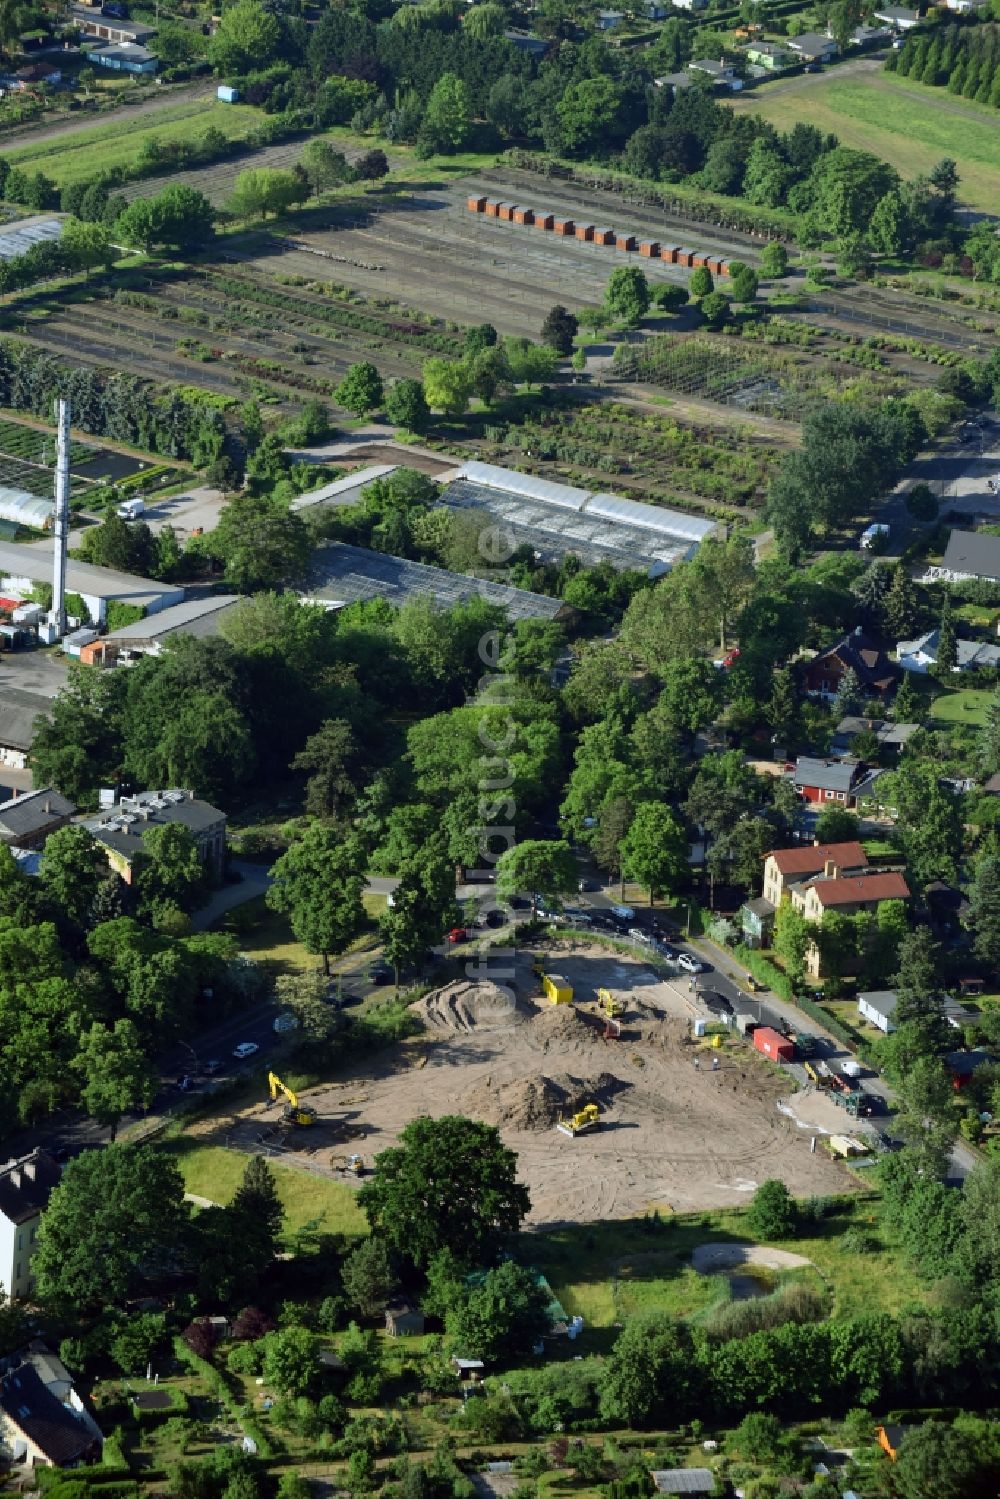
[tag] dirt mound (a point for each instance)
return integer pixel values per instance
(536, 1103)
(466, 1006)
(562, 1023)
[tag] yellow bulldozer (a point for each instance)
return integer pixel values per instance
(301, 1114)
(587, 1119)
(610, 1004)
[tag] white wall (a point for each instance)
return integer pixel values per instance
(17, 1245)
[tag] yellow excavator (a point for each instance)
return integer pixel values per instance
(295, 1112)
(610, 1003)
(587, 1119)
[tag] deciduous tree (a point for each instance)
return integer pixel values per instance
(317, 885)
(451, 1184)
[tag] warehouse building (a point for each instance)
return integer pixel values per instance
(146, 637)
(343, 574)
(345, 491)
(20, 713)
(558, 519)
(21, 567)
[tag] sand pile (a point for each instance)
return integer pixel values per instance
(536, 1103)
(467, 1006)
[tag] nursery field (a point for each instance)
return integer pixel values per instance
(661, 457)
(878, 112)
(239, 330)
(27, 461)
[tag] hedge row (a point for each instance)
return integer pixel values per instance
(766, 972)
(223, 1391)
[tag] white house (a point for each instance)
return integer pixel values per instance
(25, 1187)
(43, 1421)
(878, 1007)
(921, 654)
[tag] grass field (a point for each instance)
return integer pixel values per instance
(906, 123)
(87, 152)
(606, 1272)
(213, 1172)
(967, 708)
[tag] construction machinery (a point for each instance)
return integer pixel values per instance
(301, 1114)
(610, 1004)
(588, 1118)
(355, 1165)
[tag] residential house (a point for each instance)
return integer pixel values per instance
(719, 71)
(846, 895)
(921, 654)
(654, 10)
(878, 1007)
(37, 1429)
(971, 554)
(811, 46)
(674, 81)
(870, 36)
(785, 867)
(684, 1480)
(121, 829)
(843, 781)
(962, 1064)
(892, 737)
(609, 20)
(899, 17)
(28, 819)
(857, 652)
(125, 57)
(403, 1320)
(947, 909)
(769, 55)
(469, 1370)
(689, 4)
(25, 1187)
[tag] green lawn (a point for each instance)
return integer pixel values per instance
(906, 123)
(214, 1172)
(967, 707)
(73, 158)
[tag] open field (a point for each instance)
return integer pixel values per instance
(674, 1137)
(906, 123)
(79, 154)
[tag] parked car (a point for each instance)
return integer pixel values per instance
(624, 913)
(577, 917)
(690, 963)
(586, 883)
(666, 951)
(381, 973)
(638, 935)
(245, 1049)
(458, 934)
(520, 903)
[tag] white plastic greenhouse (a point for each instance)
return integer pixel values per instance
(25, 509)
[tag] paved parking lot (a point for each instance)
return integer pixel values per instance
(196, 509)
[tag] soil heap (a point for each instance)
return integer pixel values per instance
(466, 1006)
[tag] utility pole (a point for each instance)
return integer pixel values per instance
(57, 614)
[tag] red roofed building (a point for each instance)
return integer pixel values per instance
(785, 867)
(846, 894)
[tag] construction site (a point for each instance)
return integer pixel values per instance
(588, 1064)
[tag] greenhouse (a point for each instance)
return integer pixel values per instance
(25, 509)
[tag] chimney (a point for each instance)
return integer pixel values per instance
(15, 1178)
(48, 805)
(831, 869)
(30, 1171)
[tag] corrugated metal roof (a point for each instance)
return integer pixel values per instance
(20, 237)
(566, 495)
(650, 517)
(343, 574)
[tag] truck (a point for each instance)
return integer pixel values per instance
(131, 509)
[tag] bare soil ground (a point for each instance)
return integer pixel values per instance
(672, 1136)
(423, 246)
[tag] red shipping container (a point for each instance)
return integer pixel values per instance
(777, 1047)
(543, 220)
(585, 232)
(476, 205)
(624, 241)
(650, 248)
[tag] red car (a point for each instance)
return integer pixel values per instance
(457, 934)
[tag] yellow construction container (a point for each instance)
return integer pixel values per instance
(557, 990)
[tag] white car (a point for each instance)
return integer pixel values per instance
(245, 1049)
(690, 963)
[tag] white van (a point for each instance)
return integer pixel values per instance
(131, 509)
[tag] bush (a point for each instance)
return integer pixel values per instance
(771, 1215)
